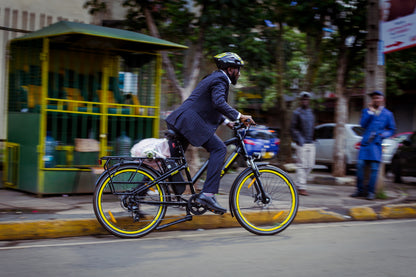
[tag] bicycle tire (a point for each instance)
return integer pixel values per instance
(257, 217)
(119, 211)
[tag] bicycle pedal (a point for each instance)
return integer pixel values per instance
(217, 212)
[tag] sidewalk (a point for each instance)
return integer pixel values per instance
(26, 216)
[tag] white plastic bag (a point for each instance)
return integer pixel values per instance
(151, 148)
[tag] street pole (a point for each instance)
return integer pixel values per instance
(375, 75)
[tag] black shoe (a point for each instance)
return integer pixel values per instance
(371, 196)
(358, 194)
(210, 203)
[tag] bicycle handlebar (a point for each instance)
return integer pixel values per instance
(240, 125)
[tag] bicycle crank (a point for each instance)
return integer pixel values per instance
(194, 207)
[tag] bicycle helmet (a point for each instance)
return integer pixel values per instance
(228, 59)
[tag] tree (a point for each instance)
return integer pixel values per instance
(347, 19)
(400, 71)
(208, 27)
(350, 19)
(285, 45)
(277, 57)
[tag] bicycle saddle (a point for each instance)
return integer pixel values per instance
(170, 134)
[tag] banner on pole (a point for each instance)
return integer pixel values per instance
(397, 24)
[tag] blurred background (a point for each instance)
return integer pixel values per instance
(83, 79)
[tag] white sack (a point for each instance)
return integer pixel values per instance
(151, 147)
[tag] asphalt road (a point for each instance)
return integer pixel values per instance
(377, 248)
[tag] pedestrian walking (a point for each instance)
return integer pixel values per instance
(302, 130)
(379, 124)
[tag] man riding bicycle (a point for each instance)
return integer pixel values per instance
(199, 116)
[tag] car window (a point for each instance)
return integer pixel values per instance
(402, 138)
(273, 134)
(260, 135)
(325, 132)
(359, 131)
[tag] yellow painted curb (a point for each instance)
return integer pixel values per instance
(49, 229)
(363, 213)
(398, 211)
(312, 216)
(226, 221)
(208, 221)
(84, 227)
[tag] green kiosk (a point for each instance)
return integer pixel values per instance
(77, 92)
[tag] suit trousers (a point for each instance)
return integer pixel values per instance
(217, 149)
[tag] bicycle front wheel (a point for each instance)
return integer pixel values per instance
(257, 215)
(122, 211)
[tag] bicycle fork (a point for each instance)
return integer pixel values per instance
(261, 195)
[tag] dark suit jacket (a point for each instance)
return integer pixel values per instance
(203, 111)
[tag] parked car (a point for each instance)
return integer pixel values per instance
(325, 139)
(400, 137)
(404, 160)
(390, 146)
(264, 140)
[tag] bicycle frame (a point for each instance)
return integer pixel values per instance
(165, 173)
(136, 192)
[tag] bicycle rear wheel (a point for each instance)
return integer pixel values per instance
(267, 218)
(122, 212)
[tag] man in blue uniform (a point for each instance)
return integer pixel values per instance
(379, 124)
(199, 116)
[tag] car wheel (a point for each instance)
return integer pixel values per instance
(395, 168)
(398, 178)
(329, 166)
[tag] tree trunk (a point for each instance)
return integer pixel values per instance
(341, 115)
(285, 152)
(191, 80)
(313, 45)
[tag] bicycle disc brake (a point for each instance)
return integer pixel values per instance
(195, 207)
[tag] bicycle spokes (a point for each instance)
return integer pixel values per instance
(264, 205)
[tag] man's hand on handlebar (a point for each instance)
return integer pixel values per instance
(247, 120)
(231, 124)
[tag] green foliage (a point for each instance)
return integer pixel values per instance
(400, 71)
(95, 6)
(172, 17)
(231, 25)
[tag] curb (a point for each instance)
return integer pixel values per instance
(44, 229)
(398, 211)
(315, 216)
(363, 213)
(86, 227)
